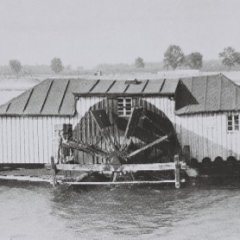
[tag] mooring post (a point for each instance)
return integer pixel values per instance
(177, 172)
(53, 172)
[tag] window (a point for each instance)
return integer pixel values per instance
(233, 122)
(124, 106)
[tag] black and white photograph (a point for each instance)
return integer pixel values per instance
(119, 119)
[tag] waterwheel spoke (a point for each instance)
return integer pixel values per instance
(103, 123)
(90, 149)
(131, 125)
(148, 146)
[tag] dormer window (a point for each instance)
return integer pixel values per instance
(124, 105)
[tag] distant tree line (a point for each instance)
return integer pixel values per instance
(174, 58)
(56, 66)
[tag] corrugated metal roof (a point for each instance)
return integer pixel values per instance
(18, 104)
(118, 87)
(38, 97)
(102, 86)
(131, 87)
(215, 93)
(169, 86)
(137, 88)
(56, 96)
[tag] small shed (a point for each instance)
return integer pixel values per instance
(207, 116)
(204, 111)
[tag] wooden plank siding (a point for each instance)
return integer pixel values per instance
(165, 104)
(31, 139)
(207, 136)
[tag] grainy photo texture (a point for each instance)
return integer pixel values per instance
(119, 119)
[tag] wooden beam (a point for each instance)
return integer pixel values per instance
(24, 178)
(147, 167)
(85, 167)
(112, 168)
(145, 135)
(103, 123)
(118, 183)
(133, 121)
(93, 150)
(115, 175)
(54, 172)
(177, 171)
(44, 180)
(140, 133)
(101, 118)
(150, 145)
(131, 125)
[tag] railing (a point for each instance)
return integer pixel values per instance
(117, 169)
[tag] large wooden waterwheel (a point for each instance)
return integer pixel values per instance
(114, 143)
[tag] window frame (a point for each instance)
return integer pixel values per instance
(233, 122)
(127, 105)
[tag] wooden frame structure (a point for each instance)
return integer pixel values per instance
(175, 166)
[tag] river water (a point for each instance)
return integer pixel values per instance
(39, 212)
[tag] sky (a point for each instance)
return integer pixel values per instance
(89, 32)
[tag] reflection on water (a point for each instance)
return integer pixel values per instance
(35, 212)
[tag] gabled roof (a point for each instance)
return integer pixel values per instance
(55, 97)
(214, 93)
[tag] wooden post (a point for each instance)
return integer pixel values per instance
(177, 172)
(115, 175)
(132, 176)
(53, 171)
